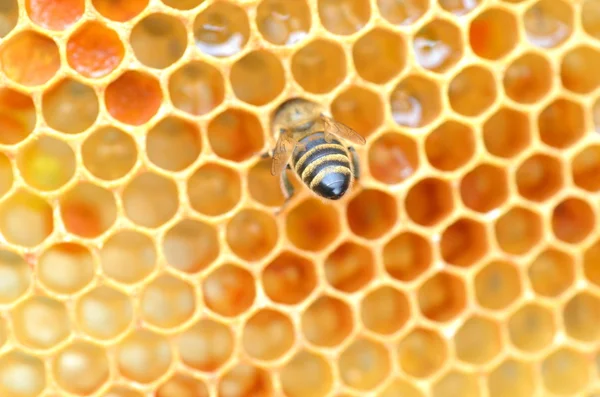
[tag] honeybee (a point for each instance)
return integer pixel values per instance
(310, 139)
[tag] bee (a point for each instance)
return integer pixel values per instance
(313, 141)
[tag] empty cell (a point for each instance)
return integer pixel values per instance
(214, 189)
(478, 340)
(531, 328)
(494, 33)
(9, 16)
(581, 317)
(150, 200)
(95, 50)
(518, 230)
(119, 10)
(190, 246)
(221, 29)
(289, 278)
(484, 188)
(512, 378)
(283, 22)
(393, 158)
(6, 175)
(312, 225)
(268, 335)
(66, 268)
(384, 310)
(245, 380)
(81, 368)
(70, 107)
(459, 7)
(182, 385)
(46, 163)
(344, 17)
(577, 70)
(402, 13)
(122, 391)
(182, 4)
(21, 374)
(104, 313)
(359, 108)
(442, 297)
(206, 345)
(128, 256)
(464, 243)
(173, 144)
(29, 58)
(18, 276)
(235, 135)
(133, 98)
(590, 18)
(539, 177)
(472, 91)
(438, 45)
(591, 259)
(319, 66)
(155, 352)
(450, 145)
(229, 290)
(565, 371)
(350, 267)
(109, 153)
(585, 166)
(372, 213)
(384, 45)
(506, 133)
(307, 374)
(18, 116)
(415, 101)
(429, 201)
(26, 219)
(528, 78)
(262, 187)
(400, 387)
(456, 384)
(573, 219)
(497, 285)
(422, 352)
(251, 234)
(196, 88)
(548, 23)
(407, 255)
(257, 78)
(88, 210)
(167, 302)
(327, 321)
(158, 40)
(364, 364)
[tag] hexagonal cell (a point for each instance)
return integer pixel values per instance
(282, 22)
(268, 335)
(359, 108)
(478, 340)
(21, 374)
(573, 219)
(88, 210)
(506, 133)
(46, 163)
(26, 219)
(344, 17)
(349, 267)
(459, 7)
(364, 364)
(531, 328)
(119, 10)
(70, 107)
(591, 258)
(215, 341)
(153, 347)
(81, 368)
(158, 40)
(512, 378)
(577, 70)
(122, 391)
(173, 144)
(196, 88)
(66, 268)
(548, 23)
(214, 189)
(456, 384)
(104, 313)
(442, 297)
(472, 91)
(438, 45)
(450, 145)
(400, 387)
(319, 66)
(590, 18)
(40, 322)
(402, 13)
(464, 243)
(150, 200)
(393, 158)
(245, 380)
(528, 78)
(94, 50)
(518, 230)
(494, 33)
(306, 374)
(312, 225)
(289, 278)
(497, 285)
(585, 166)
(109, 153)
(235, 135)
(429, 201)
(17, 116)
(539, 177)
(9, 16)
(229, 290)
(20, 276)
(372, 213)
(128, 256)
(133, 98)
(252, 234)
(221, 29)
(327, 321)
(39, 52)
(561, 123)
(167, 302)
(180, 384)
(422, 352)
(262, 187)
(384, 310)
(257, 78)
(407, 255)
(484, 188)
(384, 45)
(581, 317)
(415, 101)
(190, 246)
(565, 371)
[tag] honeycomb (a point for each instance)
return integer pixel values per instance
(465, 262)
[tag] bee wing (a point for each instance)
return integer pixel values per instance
(282, 152)
(343, 131)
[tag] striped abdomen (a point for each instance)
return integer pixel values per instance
(324, 167)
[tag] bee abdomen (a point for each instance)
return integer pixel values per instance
(327, 163)
(314, 154)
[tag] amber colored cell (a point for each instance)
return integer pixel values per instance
(128, 256)
(155, 350)
(70, 107)
(180, 385)
(349, 267)
(94, 50)
(182, 4)
(402, 13)
(478, 340)
(372, 213)
(109, 153)
(88, 210)
(384, 310)
(565, 371)
(400, 387)
(513, 378)
(442, 297)
(307, 374)
(119, 10)
(590, 18)
(252, 234)
(7, 177)
(327, 321)
(262, 187)
(393, 158)
(173, 144)
(150, 200)
(506, 133)
(17, 116)
(229, 290)
(14, 268)
(190, 246)
(438, 45)
(494, 33)
(21, 374)
(450, 146)
(245, 380)
(283, 22)
(359, 109)
(415, 102)
(158, 40)
(422, 352)
(384, 45)
(222, 29)
(581, 317)
(484, 188)
(312, 225)
(257, 78)
(364, 364)
(235, 135)
(9, 16)
(528, 78)
(497, 285)
(573, 220)
(591, 259)
(429, 201)
(531, 328)
(459, 7)
(206, 345)
(133, 98)
(268, 335)
(344, 17)
(548, 23)
(289, 278)
(81, 368)
(214, 189)
(577, 70)
(464, 243)
(196, 88)
(472, 91)
(167, 302)
(585, 166)
(104, 313)
(539, 177)
(40, 322)
(122, 391)
(319, 66)
(65, 268)
(456, 384)
(407, 255)
(518, 230)
(26, 219)
(46, 163)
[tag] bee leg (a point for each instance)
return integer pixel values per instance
(288, 191)
(355, 162)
